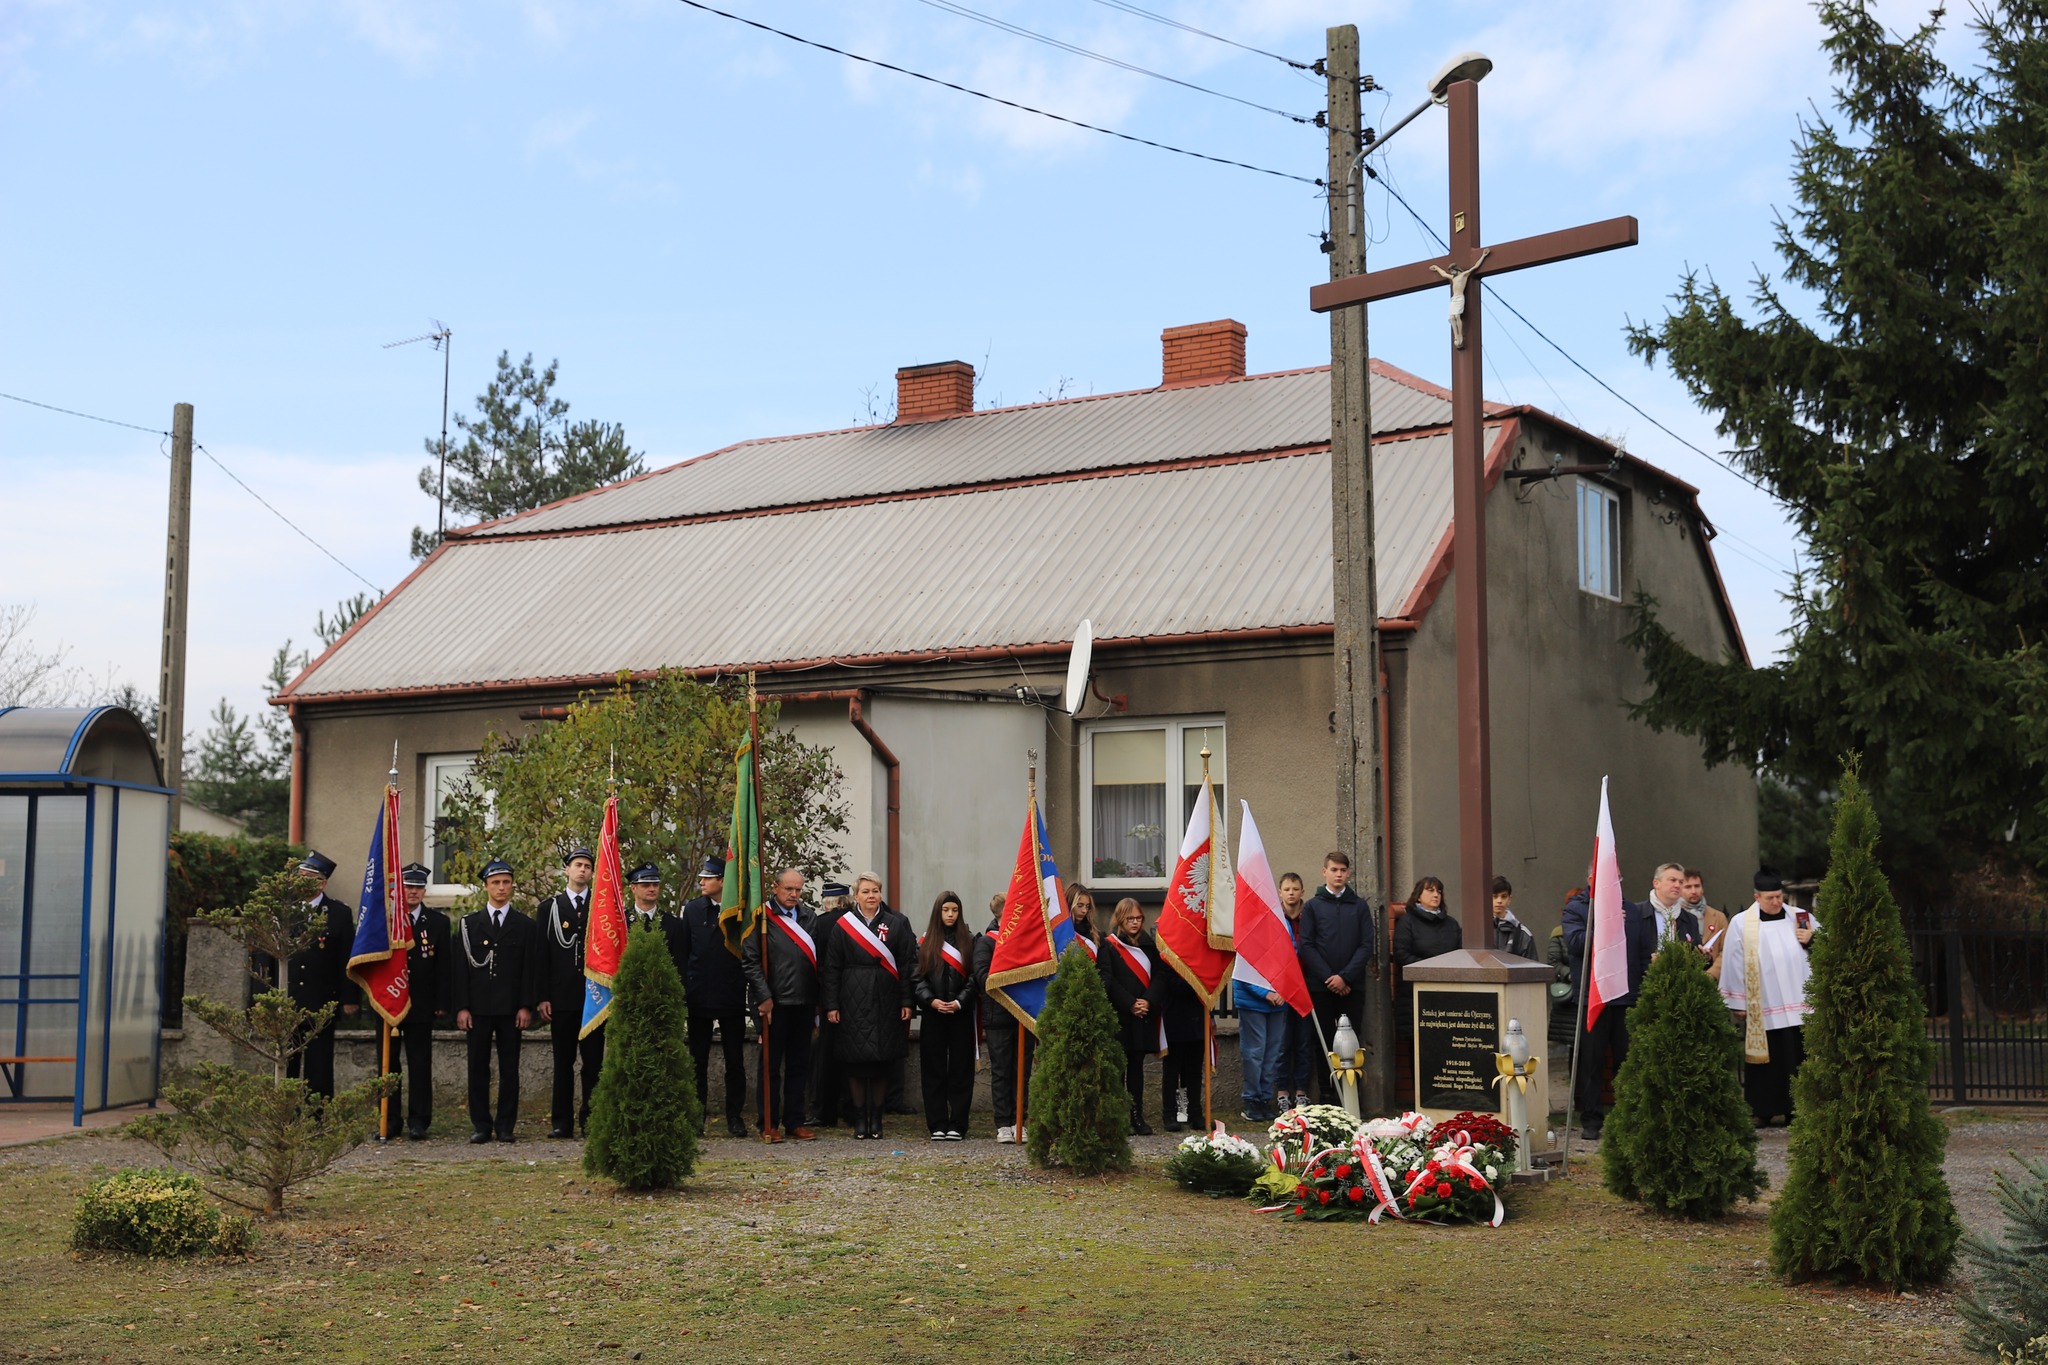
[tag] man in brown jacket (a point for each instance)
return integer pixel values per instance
(1713, 923)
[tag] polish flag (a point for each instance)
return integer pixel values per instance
(1265, 945)
(1607, 944)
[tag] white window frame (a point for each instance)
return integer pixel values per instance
(1600, 553)
(432, 767)
(1175, 728)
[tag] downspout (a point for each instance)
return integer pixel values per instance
(895, 809)
(296, 828)
(1387, 801)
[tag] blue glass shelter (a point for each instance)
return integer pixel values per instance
(84, 834)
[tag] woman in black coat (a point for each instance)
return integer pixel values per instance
(945, 994)
(867, 966)
(1426, 930)
(1130, 967)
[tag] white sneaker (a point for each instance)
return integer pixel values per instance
(955, 1135)
(938, 1135)
(1007, 1135)
(1180, 1106)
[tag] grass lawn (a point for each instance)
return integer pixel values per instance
(836, 1252)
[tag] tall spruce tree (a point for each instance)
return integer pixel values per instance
(645, 1120)
(1680, 1138)
(1893, 401)
(1864, 1195)
(2009, 1307)
(1079, 1115)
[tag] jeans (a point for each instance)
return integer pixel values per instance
(1261, 1046)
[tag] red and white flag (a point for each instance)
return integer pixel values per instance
(1607, 936)
(1265, 945)
(1195, 925)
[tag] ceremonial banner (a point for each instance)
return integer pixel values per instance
(1607, 936)
(1192, 929)
(744, 890)
(377, 962)
(1035, 928)
(1265, 945)
(604, 936)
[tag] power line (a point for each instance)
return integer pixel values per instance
(992, 99)
(69, 412)
(1632, 405)
(1143, 13)
(285, 519)
(1004, 25)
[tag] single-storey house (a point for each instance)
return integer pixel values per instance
(911, 590)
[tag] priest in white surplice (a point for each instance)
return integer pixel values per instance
(1763, 979)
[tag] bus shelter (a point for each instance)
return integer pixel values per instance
(84, 838)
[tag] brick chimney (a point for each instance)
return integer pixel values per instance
(1202, 353)
(927, 392)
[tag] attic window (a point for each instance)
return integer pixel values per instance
(1599, 541)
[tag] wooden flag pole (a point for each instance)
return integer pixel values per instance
(767, 972)
(384, 1025)
(384, 1104)
(1209, 1006)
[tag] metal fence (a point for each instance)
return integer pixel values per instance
(1984, 976)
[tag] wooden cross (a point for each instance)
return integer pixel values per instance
(1463, 267)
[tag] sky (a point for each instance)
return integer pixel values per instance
(721, 234)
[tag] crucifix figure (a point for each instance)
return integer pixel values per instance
(1464, 267)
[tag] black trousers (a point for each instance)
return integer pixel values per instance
(316, 1063)
(562, 1032)
(787, 1066)
(1181, 1069)
(945, 1065)
(828, 1081)
(1768, 1085)
(488, 1031)
(412, 1056)
(1134, 1081)
(1002, 1067)
(732, 1029)
(1606, 1037)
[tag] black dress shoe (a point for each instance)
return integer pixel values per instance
(1141, 1130)
(737, 1127)
(507, 1137)
(1173, 1127)
(479, 1138)
(560, 1133)
(416, 1134)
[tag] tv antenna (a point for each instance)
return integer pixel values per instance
(440, 337)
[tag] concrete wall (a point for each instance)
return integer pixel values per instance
(1560, 677)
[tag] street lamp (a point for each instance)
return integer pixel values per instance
(1466, 66)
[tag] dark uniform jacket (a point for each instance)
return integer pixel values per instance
(510, 977)
(1335, 937)
(318, 975)
(1136, 1033)
(671, 928)
(561, 947)
(795, 977)
(869, 997)
(993, 1015)
(427, 966)
(713, 980)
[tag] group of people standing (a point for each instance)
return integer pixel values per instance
(1758, 959)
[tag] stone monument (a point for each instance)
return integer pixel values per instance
(1463, 1001)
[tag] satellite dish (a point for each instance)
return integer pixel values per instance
(1077, 667)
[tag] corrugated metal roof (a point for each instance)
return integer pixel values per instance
(1266, 412)
(1167, 552)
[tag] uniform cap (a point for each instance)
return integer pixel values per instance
(316, 863)
(713, 867)
(647, 874)
(497, 867)
(415, 874)
(585, 854)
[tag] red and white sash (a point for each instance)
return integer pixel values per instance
(955, 959)
(798, 935)
(1089, 944)
(866, 938)
(1134, 958)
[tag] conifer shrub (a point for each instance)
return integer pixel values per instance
(1864, 1194)
(1079, 1114)
(2008, 1311)
(156, 1213)
(645, 1119)
(1680, 1139)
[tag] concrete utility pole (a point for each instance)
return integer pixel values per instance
(1356, 594)
(170, 696)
